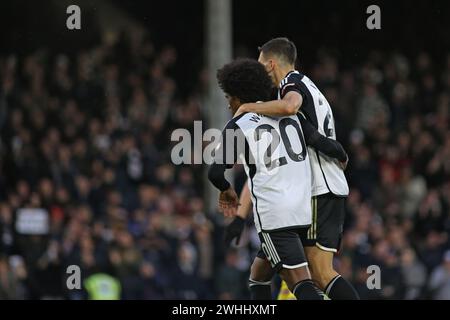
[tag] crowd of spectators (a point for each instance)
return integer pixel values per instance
(394, 116)
(86, 177)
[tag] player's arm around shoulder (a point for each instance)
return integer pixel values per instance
(330, 147)
(288, 106)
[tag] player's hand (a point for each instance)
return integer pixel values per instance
(234, 230)
(228, 202)
(242, 109)
(343, 164)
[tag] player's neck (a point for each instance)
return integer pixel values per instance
(281, 73)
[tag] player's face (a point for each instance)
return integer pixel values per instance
(233, 103)
(269, 65)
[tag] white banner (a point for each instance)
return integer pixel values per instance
(32, 221)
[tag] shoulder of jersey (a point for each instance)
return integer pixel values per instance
(247, 121)
(239, 119)
(243, 117)
(291, 77)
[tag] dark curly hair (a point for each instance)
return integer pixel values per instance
(245, 79)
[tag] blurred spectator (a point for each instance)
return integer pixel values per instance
(440, 280)
(8, 283)
(230, 281)
(102, 286)
(188, 282)
(413, 273)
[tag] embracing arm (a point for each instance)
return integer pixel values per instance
(327, 146)
(287, 106)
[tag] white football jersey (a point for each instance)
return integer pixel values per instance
(277, 164)
(327, 176)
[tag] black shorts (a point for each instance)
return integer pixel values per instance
(328, 213)
(283, 248)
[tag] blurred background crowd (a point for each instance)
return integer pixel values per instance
(86, 177)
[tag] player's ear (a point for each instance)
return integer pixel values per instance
(235, 103)
(270, 65)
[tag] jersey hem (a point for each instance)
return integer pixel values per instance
(286, 228)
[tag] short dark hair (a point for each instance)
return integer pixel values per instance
(281, 47)
(245, 79)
